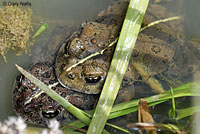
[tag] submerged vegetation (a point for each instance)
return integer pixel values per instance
(15, 26)
(40, 30)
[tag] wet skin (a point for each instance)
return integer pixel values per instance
(161, 51)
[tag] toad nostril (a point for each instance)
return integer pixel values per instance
(92, 80)
(50, 113)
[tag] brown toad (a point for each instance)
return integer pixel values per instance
(160, 52)
(92, 37)
(35, 106)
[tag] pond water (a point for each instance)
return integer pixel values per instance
(73, 13)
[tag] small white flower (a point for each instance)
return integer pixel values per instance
(21, 126)
(3, 129)
(17, 126)
(13, 126)
(45, 131)
(53, 126)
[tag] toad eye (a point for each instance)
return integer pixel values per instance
(92, 80)
(92, 73)
(50, 113)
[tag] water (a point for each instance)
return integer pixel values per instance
(70, 12)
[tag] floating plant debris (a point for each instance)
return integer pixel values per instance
(15, 25)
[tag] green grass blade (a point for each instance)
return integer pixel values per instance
(189, 89)
(37, 130)
(172, 111)
(62, 101)
(182, 113)
(122, 54)
(81, 115)
(119, 128)
(40, 30)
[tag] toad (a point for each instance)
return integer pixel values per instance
(161, 56)
(161, 53)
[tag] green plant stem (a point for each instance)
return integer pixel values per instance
(40, 30)
(37, 130)
(172, 111)
(182, 113)
(189, 89)
(81, 115)
(62, 101)
(121, 57)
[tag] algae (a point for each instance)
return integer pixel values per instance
(15, 26)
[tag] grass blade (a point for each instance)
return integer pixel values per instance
(40, 30)
(123, 52)
(182, 113)
(189, 89)
(81, 115)
(72, 109)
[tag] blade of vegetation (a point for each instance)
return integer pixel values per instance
(40, 30)
(37, 130)
(160, 21)
(72, 109)
(145, 116)
(113, 43)
(189, 89)
(119, 128)
(172, 111)
(123, 52)
(81, 115)
(150, 126)
(182, 113)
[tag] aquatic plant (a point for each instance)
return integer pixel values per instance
(121, 57)
(42, 28)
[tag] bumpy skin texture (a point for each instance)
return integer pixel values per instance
(93, 37)
(161, 50)
(40, 109)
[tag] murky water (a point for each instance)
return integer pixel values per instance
(70, 12)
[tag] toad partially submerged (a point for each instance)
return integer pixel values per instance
(161, 54)
(160, 51)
